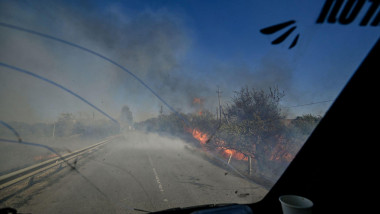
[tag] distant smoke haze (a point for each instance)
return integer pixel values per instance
(156, 45)
(149, 44)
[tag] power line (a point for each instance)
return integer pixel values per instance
(59, 86)
(14, 27)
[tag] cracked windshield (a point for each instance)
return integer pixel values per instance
(142, 106)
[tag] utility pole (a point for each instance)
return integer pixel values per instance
(217, 118)
(161, 110)
(220, 107)
(54, 131)
(249, 165)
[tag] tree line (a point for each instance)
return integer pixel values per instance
(65, 126)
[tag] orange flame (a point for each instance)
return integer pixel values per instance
(197, 100)
(279, 152)
(201, 137)
(232, 152)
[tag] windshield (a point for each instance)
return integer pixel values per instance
(133, 106)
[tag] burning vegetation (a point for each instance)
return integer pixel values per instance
(199, 103)
(252, 128)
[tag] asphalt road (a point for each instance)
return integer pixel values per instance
(142, 171)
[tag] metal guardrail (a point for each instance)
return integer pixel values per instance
(22, 174)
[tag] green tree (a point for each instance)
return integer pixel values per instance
(126, 118)
(253, 122)
(65, 125)
(305, 124)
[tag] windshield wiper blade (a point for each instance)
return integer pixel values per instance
(136, 209)
(10, 210)
(198, 207)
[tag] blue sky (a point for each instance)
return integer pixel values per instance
(182, 49)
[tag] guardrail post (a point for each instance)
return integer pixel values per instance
(249, 165)
(31, 181)
(229, 159)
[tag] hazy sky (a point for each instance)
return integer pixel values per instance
(181, 49)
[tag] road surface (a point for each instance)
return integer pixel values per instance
(140, 171)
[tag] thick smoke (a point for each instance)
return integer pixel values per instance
(153, 44)
(150, 44)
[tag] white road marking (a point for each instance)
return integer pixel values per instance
(157, 179)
